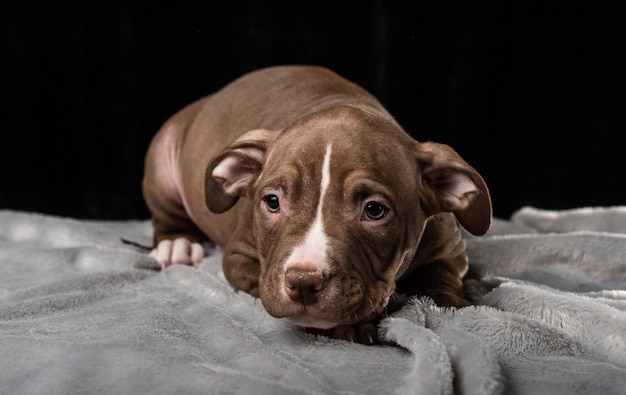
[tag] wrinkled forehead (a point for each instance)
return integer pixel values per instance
(356, 150)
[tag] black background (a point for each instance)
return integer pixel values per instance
(530, 93)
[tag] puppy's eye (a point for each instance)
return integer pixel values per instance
(374, 211)
(272, 203)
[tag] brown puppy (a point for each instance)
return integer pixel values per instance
(340, 207)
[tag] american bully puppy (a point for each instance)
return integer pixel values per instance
(323, 204)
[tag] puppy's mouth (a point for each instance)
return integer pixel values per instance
(309, 321)
(309, 316)
(313, 317)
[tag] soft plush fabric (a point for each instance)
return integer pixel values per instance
(82, 312)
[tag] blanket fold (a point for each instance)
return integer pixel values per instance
(83, 312)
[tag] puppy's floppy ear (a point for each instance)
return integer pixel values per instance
(454, 186)
(229, 175)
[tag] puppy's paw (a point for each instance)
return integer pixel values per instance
(362, 333)
(450, 300)
(179, 251)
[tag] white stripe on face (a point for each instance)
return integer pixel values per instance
(325, 181)
(313, 250)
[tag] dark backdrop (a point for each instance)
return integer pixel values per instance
(531, 94)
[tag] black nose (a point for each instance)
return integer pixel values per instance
(304, 286)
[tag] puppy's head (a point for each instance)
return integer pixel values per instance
(340, 199)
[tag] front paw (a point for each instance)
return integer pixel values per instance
(450, 300)
(365, 332)
(179, 251)
(361, 332)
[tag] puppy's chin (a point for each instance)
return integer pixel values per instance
(309, 321)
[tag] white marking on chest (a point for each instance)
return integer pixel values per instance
(312, 252)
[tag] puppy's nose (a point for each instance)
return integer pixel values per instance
(304, 286)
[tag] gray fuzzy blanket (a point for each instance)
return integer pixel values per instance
(83, 313)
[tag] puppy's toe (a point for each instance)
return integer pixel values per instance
(344, 332)
(182, 251)
(197, 253)
(163, 253)
(367, 333)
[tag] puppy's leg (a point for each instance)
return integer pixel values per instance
(440, 281)
(439, 264)
(176, 237)
(241, 263)
(242, 271)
